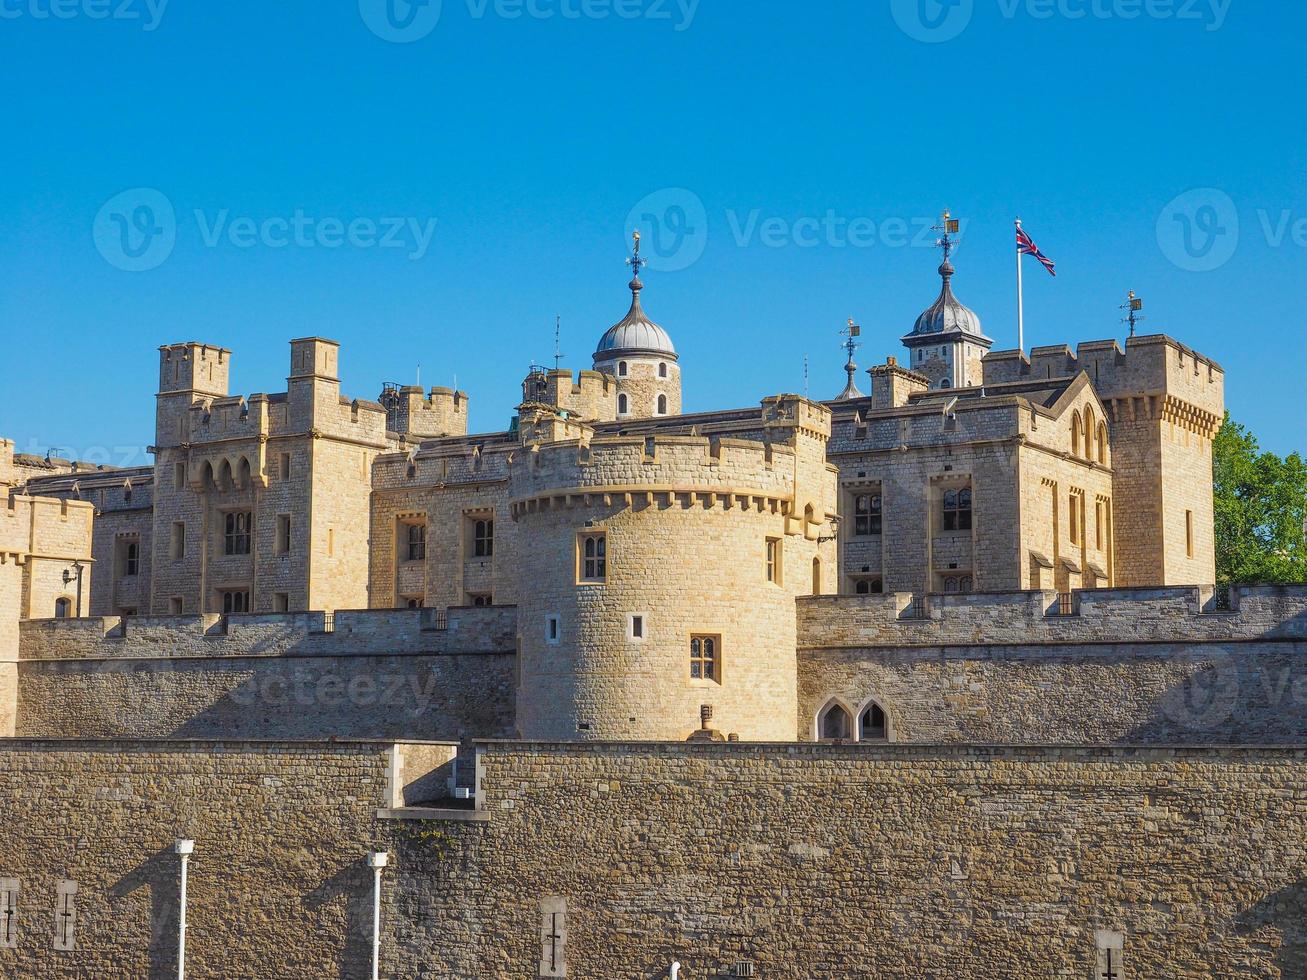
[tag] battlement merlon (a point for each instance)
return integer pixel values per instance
(191, 366)
(1153, 366)
(432, 414)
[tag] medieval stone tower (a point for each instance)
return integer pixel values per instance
(946, 345)
(662, 577)
(639, 355)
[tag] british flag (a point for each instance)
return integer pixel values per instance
(1027, 246)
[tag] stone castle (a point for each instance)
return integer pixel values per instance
(565, 674)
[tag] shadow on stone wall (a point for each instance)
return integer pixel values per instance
(1285, 912)
(160, 874)
(351, 886)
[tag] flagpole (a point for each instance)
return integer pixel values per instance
(1021, 313)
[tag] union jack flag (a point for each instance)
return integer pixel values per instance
(1027, 246)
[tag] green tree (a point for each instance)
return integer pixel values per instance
(1261, 503)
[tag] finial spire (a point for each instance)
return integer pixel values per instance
(851, 333)
(948, 226)
(636, 262)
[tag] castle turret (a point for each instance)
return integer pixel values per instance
(946, 344)
(639, 354)
(188, 372)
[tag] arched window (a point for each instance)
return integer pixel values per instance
(623, 404)
(951, 584)
(873, 725)
(1090, 429)
(1102, 443)
(662, 369)
(1075, 433)
(621, 369)
(835, 723)
(62, 608)
(662, 404)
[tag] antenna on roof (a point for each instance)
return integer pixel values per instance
(419, 382)
(805, 375)
(1133, 305)
(558, 353)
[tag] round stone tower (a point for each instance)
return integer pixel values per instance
(640, 356)
(662, 576)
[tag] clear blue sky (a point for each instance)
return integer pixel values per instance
(529, 140)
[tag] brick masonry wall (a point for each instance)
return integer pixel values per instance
(855, 861)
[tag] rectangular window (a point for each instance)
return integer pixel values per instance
(236, 533)
(331, 542)
(957, 510)
(553, 629)
(283, 534)
(774, 560)
(866, 514)
(281, 602)
(635, 626)
(705, 657)
(592, 556)
(235, 601)
(483, 538)
(1189, 533)
(1098, 525)
(178, 475)
(285, 466)
(1074, 505)
(130, 554)
(175, 606)
(415, 542)
(178, 541)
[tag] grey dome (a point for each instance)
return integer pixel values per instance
(635, 333)
(947, 314)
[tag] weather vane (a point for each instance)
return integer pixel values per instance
(851, 333)
(948, 226)
(1133, 305)
(635, 262)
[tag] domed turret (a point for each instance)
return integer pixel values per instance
(639, 354)
(946, 343)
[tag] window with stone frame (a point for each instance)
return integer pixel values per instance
(483, 538)
(129, 557)
(867, 514)
(592, 556)
(956, 515)
(235, 601)
(774, 560)
(415, 540)
(868, 586)
(236, 533)
(705, 657)
(480, 599)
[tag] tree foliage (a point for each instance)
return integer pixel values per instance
(1261, 503)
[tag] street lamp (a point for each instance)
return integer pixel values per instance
(376, 861)
(183, 849)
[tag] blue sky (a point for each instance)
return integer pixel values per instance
(461, 181)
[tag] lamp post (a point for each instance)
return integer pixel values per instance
(183, 849)
(69, 576)
(376, 861)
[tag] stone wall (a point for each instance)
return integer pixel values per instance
(858, 861)
(278, 884)
(378, 675)
(804, 861)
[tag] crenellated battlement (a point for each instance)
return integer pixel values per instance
(1110, 616)
(362, 632)
(433, 414)
(688, 462)
(445, 464)
(590, 395)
